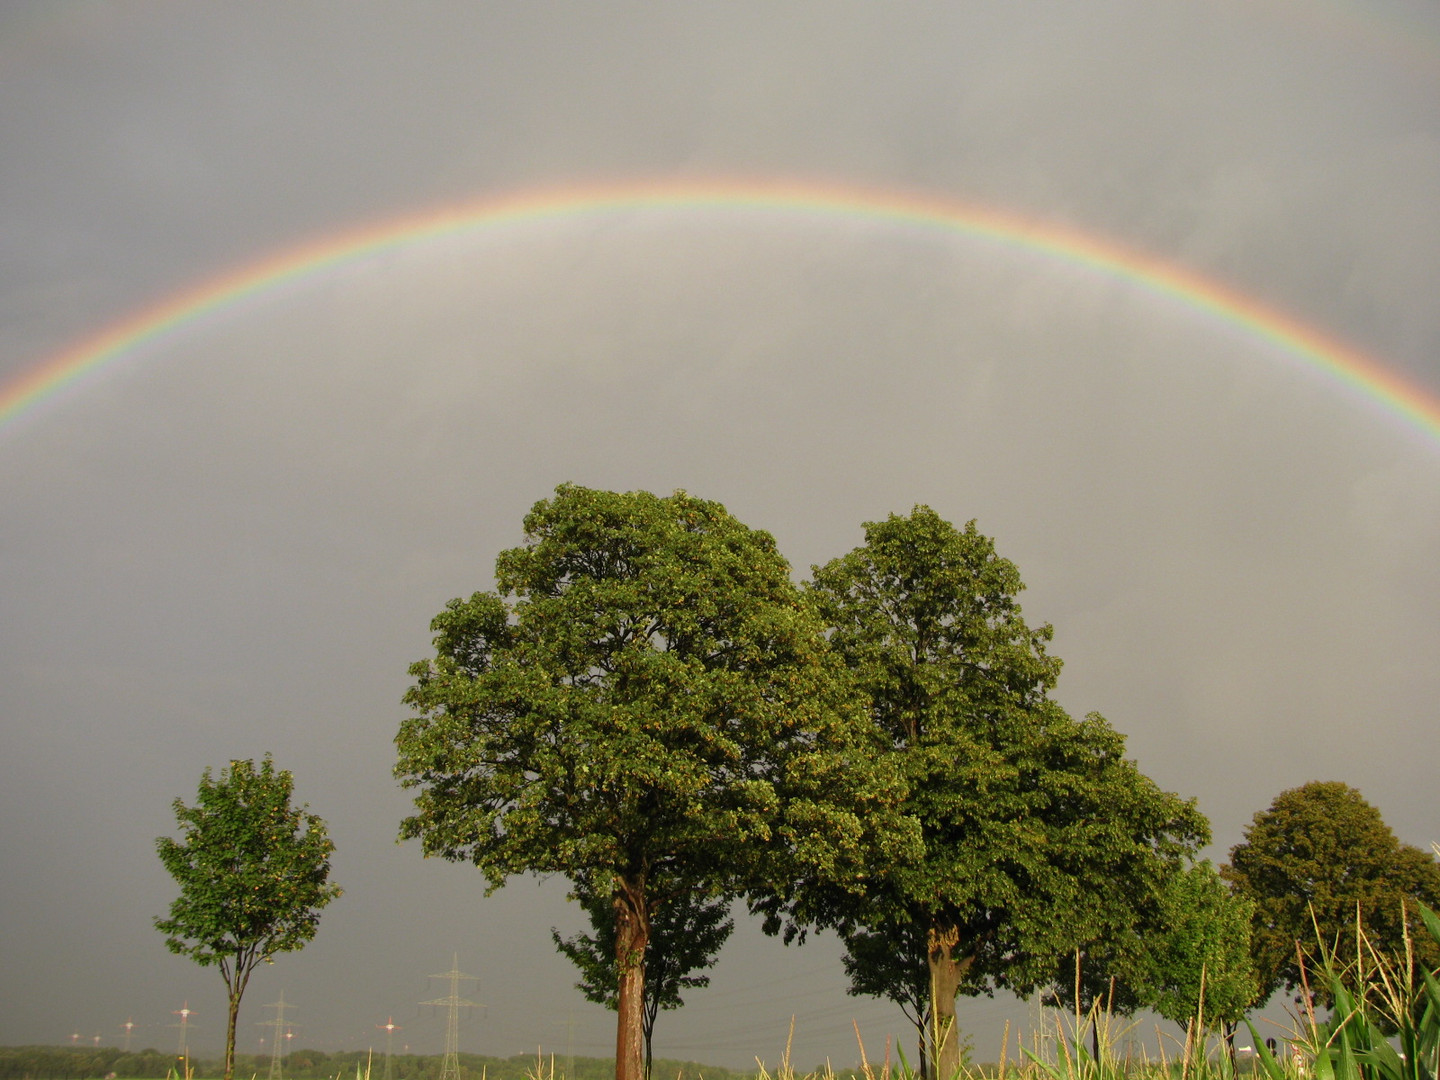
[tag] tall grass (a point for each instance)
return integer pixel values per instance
(1389, 1031)
(1396, 996)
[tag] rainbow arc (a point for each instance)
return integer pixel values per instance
(1342, 364)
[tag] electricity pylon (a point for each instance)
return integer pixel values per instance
(389, 1027)
(282, 1030)
(450, 1070)
(184, 1012)
(1043, 1019)
(129, 1026)
(570, 1046)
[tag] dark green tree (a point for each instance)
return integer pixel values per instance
(253, 874)
(647, 702)
(1186, 956)
(1319, 859)
(685, 936)
(1037, 831)
(894, 965)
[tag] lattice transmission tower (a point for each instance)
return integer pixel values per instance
(183, 1050)
(1043, 1021)
(389, 1027)
(280, 1036)
(450, 1070)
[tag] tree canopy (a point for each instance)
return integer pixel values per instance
(1317, 861)
(646, 704)
(1037, 831)
(1197, 962)
(253, 874)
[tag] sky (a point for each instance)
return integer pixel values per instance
(229, 539)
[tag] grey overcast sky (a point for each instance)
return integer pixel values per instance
(233, 540)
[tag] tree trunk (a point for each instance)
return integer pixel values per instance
(922, 1028)
(234, 1010)
(632, 934)
(651, 1009)
(946, 971)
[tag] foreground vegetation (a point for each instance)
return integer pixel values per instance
(83, 1063)
(1388, 1031)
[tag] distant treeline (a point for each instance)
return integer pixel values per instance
(80, 1063)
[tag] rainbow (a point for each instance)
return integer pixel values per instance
(1343, 365)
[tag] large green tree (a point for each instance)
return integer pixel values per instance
(647, 701)
(1319, 859)
(685, 937)
(253, 874)
(1037, 830)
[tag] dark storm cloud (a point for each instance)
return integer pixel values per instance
(233, 543)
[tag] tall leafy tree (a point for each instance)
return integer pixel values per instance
(253, 874)
(646, 702)
(685, 937)
(1319, 859)
(1037, 830)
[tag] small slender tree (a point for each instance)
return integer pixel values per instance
(894, 963)
(1198, 972)
(685, 936)
(253, 874)
(1102, 979)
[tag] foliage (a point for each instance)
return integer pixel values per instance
(1187, 957)
(1317, 860)
(894, 964)
(253, 874)
(80, 1062)
(647, 703)
(1198, 964)
(1105, 977)
(1038, 832)
(84, 1063)
(685, 936)
(1403, 1004)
